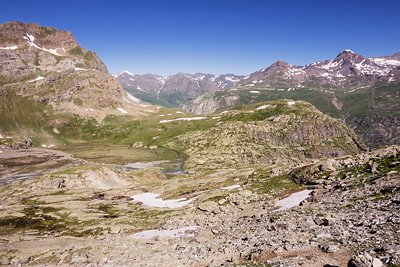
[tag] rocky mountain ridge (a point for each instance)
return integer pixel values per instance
(284, 131)
(173, 90)
(346, 71)
(361, 91)
(47, 65)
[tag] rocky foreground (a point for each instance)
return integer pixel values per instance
(350, 219)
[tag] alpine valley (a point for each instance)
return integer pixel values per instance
(278, 168)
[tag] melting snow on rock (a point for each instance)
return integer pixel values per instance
(152, 200)
(293, 200)
(236, 186)
(122, 110)
(9, 47)
(170, 233)
(262, 107)
(185, 119)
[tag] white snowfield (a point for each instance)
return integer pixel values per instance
(262, 107)
(255, 92)
(133, 98)
(122, 110)
(127, 72)
(9, 48)
(236, 186)
(293, 200)
(47, 146)
(184, 119)
(152, 200)
(31, 40)
(37, 79)
(170, 233)
(126, 100)
(291, 103)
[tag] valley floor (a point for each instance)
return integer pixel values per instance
(85, 216)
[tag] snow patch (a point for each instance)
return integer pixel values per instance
(262, 107)
(133, 98)
(127, 72)
(122, 110)
(9, 47)
(76, 69)
(170, 233)
(152, 200)
(37, 79)
(126, 100)
(31, 43)
(255, 92)
(293, 200)
(47, 146)
(185, 119)
(231, 187)
(291, 103)
(179, 112)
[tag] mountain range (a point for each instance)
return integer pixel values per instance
(173, 90)
(92, 175)
(362, 91)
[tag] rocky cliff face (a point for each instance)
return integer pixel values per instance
(28, 49)
(273, 132)
(174, 90)
(47, 64)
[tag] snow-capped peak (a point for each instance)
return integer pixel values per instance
(348, 50)
(127, 72)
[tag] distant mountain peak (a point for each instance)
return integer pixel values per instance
(350, 55)
(127, 72)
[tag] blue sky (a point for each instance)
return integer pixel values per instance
(217, 36)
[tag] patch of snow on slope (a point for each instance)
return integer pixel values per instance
(122, 110)
(170, 233)
(31, 40)
(291, 103)
(184, 119)
(153, 200)
(9, 48)
(37, 79)
(127, 72)
(231, 187)
(255, 92)
(262, 107)
(126, 100)
(232, 79)
(293, 200)
(133, 98)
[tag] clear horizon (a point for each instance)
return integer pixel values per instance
(217, 37)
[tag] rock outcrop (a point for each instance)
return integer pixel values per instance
(269, 133)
